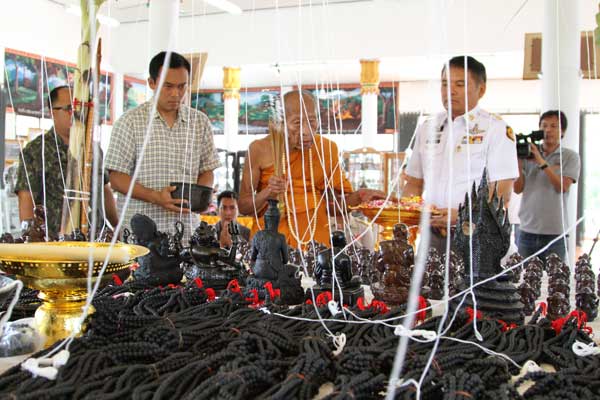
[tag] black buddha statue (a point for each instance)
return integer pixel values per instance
(269, 247)
(514, 274)
(586, 300)
(35, 229)
(536, 265)
(75, 236)
(436, 285)
(558, 306)
(269, 262)
(205, 259)
(161, 265)
(333, 271)
(313, 248)
(585, 279)
(363, 262)
(7, 237)
(534, 281)
(528, 298)
(583, 262)
(394, 261)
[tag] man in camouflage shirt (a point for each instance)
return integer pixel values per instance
(43, 165)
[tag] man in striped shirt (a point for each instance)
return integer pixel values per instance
(180, 148)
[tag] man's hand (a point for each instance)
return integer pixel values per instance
(366, 195)
(225, 239)
(363, 196)
(441, 221)
(537, 156)
(276, 186)
(164, 199)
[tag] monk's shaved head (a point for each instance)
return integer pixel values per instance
(291, 100)
(300, 118)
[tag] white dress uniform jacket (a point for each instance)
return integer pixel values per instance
(450, 155)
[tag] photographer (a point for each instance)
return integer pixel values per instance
(543, 189)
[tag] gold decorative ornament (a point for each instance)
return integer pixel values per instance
(231, 83)
(59, 270)
(369, 76)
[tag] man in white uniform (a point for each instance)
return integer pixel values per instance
(452, 148)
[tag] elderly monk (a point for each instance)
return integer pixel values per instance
(311, 169)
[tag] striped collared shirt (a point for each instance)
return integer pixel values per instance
(173, 154)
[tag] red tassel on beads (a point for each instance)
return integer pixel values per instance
(360, 303)
(544, 308)
(324, 298)
(210, 293)
(117, 280)
(273, 293)
(472, 315)
(581, 318)
(254, 299)
(234, 286)
(199, 282)
(422, 313)
(505, 326)
(377, 305)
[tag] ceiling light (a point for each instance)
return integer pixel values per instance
(225, 5)
(103, 19)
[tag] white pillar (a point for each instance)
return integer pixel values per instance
(231, 99)
(561, 80)
(164, 25)
(369, 88)
(231, 125)
(369, 119)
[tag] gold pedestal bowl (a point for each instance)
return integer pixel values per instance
(59, 270)
(389, 217)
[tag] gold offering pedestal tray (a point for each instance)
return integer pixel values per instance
(60, 273)
(392, 215)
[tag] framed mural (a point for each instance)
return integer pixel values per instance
(30, 77)
(134, 92)
(387, 108)
(340, 109)
(255, 110)
(211, 103)
(24, 82)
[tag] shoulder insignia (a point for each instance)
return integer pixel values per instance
(509, 133)
(496, 116)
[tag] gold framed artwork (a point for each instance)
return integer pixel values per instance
(589, 53)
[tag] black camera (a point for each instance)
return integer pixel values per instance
(523, 141)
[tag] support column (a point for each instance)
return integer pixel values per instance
(369, 89)
(163, 26)
(561, 80)
(231, 99)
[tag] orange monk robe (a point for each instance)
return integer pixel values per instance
(324, 153)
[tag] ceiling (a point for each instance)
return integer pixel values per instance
(137, 10)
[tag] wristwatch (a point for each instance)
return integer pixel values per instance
(543, 166)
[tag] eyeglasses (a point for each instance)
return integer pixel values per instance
(68, 108)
